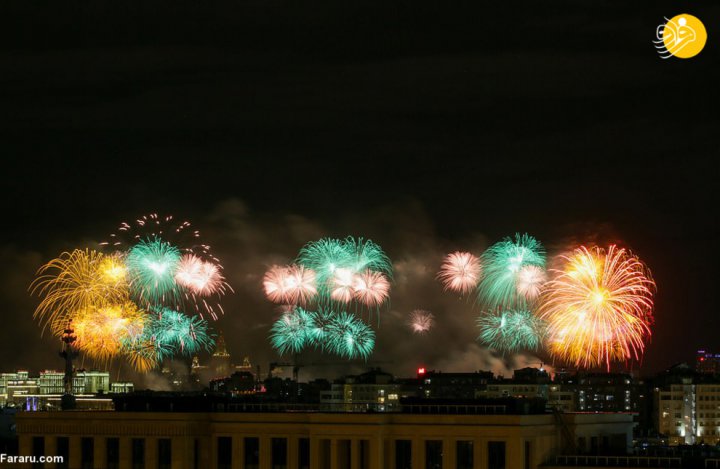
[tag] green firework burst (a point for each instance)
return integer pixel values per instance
(511, 330)
(501, 263)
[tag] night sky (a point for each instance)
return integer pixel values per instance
(426, 126)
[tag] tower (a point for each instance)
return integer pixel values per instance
(221, 358)
(68, 353)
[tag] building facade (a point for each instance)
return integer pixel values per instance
(467, 437)
(690, 413)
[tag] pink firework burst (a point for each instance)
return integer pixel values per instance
(200, 277)
(421, 321)
(301, 288)
(371, 288)
(460, 272)
(342, 289)
(289, 284)
(530, 280)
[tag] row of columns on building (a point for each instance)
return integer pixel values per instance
(379, 453)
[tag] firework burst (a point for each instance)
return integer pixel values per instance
(152, 265)
(460, 272)
(511, 330)
(421, 321)
(291, 333)
(530, 280)
(371, 288)
(598, 307)
(102, 331)
(76, 281)
(349, 337)
(180, 334)
(502, 263)
(342, 285)
(200, 277)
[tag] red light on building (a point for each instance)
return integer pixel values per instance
(421, 371)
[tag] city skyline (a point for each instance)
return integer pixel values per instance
(387, 150)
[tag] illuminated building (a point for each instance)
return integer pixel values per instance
(372, 391)
(221, 358)
(234, 436)
(707, 362)
(33, 393)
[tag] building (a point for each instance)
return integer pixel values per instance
(431, 384)
(21, 390)
(238, 383)
(372, 391)
(690, 413)
(421, 436)
(707, 362)
(220, 359)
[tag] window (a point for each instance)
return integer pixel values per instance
(112, 453)
(278, 453)
(403, 454)
(364, 456)
(304, 453)
(38, 449)
(324, 454)
(63, 449)
(496, 455)
(196, 454)
(252, 453)
(224, 452)
(164, 453)
(464, 455)
(138, 453)
(343, 453)
(87, 453)
(527, 455)
(433, 454)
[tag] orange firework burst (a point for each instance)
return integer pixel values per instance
(599, 307)
(103, 331)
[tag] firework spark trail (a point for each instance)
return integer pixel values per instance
(421, 321)
(598, 307)
(511, 330)
(152, 264)
(366, 255)
(501, 264)
(75, 281)
(460, 272)
(157, 226)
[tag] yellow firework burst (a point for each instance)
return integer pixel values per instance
(102, 332)
(599, 307)
(77, 281)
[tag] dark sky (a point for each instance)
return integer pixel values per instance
(427, 126)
